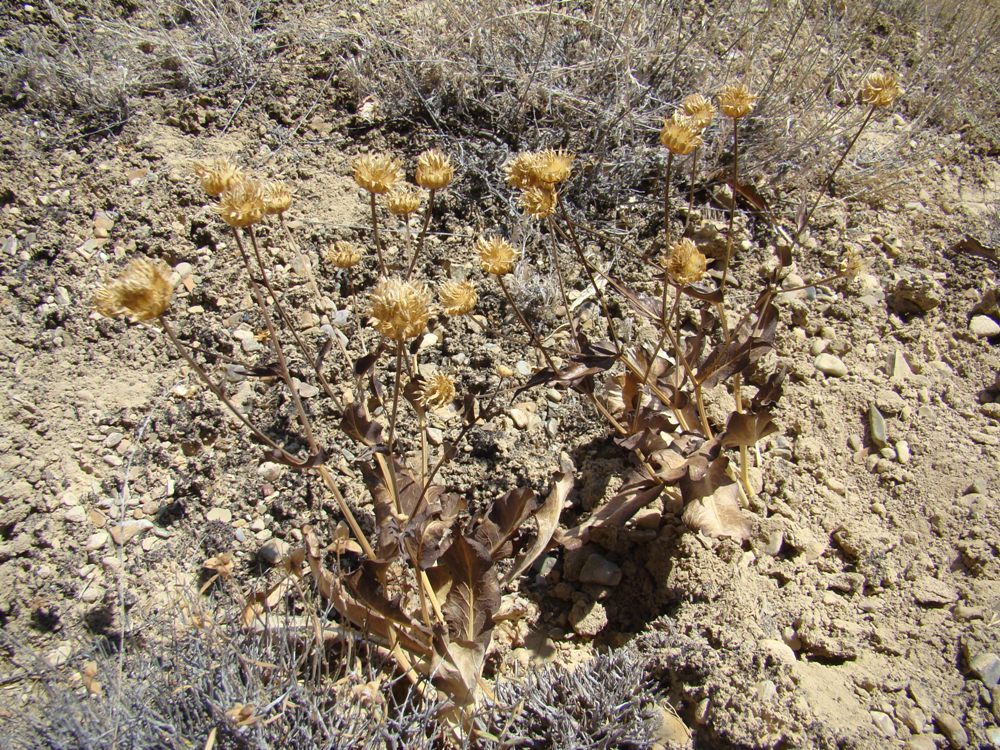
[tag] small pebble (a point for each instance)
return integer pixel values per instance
(921, 742)
(601, 571)
(884, 723)
(952, 728)
(986, 667)
(831, 365)
(76, 514)
(219, 514)
(903, 452)
(984, 326)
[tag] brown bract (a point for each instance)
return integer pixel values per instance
(400, 309)
(343, 254)
(277, 196)
(679, 135)
(538, 202)
(496, 255)
(216, 175)
(437, 391)
(377, 173)
(403, 200)
(880, 89)
(434, 170)
(685, 264)
(143, 291)
(699, 109)
(736, 101)
(457, 297)
(242, 203)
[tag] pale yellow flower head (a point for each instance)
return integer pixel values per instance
(343, 254)
(679, 135)
(685, 264)
(522, 172)
(736, 101)
(434, 170)
(242, 203)
(538, 201)
(403, 200)
(457, 297)
(400, 309)
(377, 173)
(277, 196)
(142, 292)
(497, 256)
(700, 109)
(216, 175)
(552, 166)
(437, 391)
(880, 89)
(853, 263)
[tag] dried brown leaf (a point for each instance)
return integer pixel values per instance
(547, 519)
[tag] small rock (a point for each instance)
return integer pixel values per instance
(774, 541)
(601, 571)
(889, 402)
(766, 691)
(269, 471)
(952, 729)
(916, 294)
(884, 723)
(933, 593)
(96, 541)
(915, 719)
(991, 410)
(112, 460)
(779, 650)
(876, 425)
(921, 742)
(59, 655)
(588, 618)
(903, 452)
(308, 390)
(993, 736)
(520, 418)
(986, 667)
(898, 368)
(219, 514)
(273, 551)
(670, 730)
(831, 365)
(76, 514)
(984, 326)
(91, 594)
(125, 532)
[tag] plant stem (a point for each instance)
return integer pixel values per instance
(377, 236)
(732, 203)
(392, 425)
(562, 286)
(345, 510)
(666, 203)
(694, 172)
(527, 326)
(428, 212)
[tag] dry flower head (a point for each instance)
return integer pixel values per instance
(457, 297)
(377, 173)
(853, 263)
(700, 109)
(539, 202)
(277, 196)
(552, 166)
(437, 391)
(343, 254)
(736, 101)
(242, 203)
(521, 172)
(880, 89)
(496, 255)
(400, 309)
(685, 264)
(403, 200)
(434, 170)
(216, 175)
(143, 291)
(680, 135)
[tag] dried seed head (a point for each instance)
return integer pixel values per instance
(853, 263)
(400, 309)
(377, 173)
(216, 175)
(143, 291)
(457, 297)
(403, 200)
(521, 171)
(434, 170)
(538, 201)
(736, 101)
(685, 264)
(342, 254)
(242, 203)
(552, 166)
(496, 255)
(504, 372)
(880, 89)
(277, 196)
(437, 391)
(700, 109)
(679, 135)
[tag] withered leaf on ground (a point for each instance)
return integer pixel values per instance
(636, 494)
(547, 519)
(474, 595)
(711, 497)
(752, 339)
(747, 429)
(456, 667)
(770, 392)
(358, 425)
(504, 520)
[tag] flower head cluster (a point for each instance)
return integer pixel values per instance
(242, 203)
(437, 391)
(403, 200)
(434, 170)
(496, 255)
(680, 135)
(343, 254)
(400, 309)
(277, 196)
(217, 175)
(143, 291)
(685, 264)
(538, 202)
(538, 173)
(736, 101)
(377, 173)
(699, 109)
(457, 297)
(880, 89)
